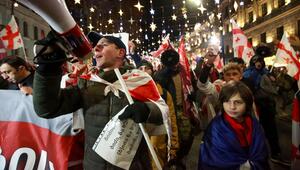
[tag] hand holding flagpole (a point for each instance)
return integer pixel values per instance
(145, 134)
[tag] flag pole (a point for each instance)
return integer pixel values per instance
(12, 7)
(145, 134)
(12, 14)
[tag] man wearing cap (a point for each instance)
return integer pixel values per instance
(51, 101)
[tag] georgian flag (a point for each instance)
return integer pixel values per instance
(163, 47)
(118, 141)
(45, 143)
(186, 79)
(241, 47)
(11, 36)
(286, 55)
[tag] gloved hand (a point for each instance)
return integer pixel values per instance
(138, 112)
(191, 97)
(50, 56)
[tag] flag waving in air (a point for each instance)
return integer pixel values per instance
(242, 48)
(163, 47)
(11, 36)
(286, 55)
(186, 80)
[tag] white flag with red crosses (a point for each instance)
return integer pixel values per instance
(286, 55)
(11, 36)
(241, 47)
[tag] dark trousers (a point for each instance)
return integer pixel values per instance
(267, 110)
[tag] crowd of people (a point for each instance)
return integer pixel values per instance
(236, 108)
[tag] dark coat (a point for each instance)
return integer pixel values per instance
(51, 101)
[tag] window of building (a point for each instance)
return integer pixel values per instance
(25, 29)
(43, 34)
(279, 32)
(264, 9)
(250, 16)
(281, 3)
(35, 33)
(263, 37)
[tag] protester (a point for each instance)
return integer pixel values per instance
(164, 150)
(261, 78)
(51, 101)
(133, 54)
(17, 71)
(169, 78)
(234, 139)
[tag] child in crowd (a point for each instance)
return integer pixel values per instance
(234, 139)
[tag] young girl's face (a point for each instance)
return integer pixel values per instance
(235, 107)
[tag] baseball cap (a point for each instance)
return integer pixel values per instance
(94, 37)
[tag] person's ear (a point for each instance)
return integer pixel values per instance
(21, 68)
(122, 53)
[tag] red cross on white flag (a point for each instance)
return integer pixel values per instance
(241, 47)
(11, 36)
(286, 55)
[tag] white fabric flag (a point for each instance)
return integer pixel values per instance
(241, 47)
(286, 55)
(11, 36)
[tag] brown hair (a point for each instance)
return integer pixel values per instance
(232, 66)
(15, 62)
(236, 87)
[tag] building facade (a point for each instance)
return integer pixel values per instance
(31, 26)
(263, 21)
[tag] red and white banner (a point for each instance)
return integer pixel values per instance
(241, 47)
(163, 47)
(296, 135)
(286, 55)
(186, 79)
(11, 36)
(44, 143)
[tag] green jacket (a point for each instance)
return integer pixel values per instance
(51, 101)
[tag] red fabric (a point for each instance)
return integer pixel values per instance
(59, 149)
(185, 76)
(296, 111)
(145, 92)
(214, 75)
(243, 130)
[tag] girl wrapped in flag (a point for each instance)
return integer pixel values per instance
(234, 139)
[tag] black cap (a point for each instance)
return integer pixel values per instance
(169, 58)
(94, 37)
(115, 40)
